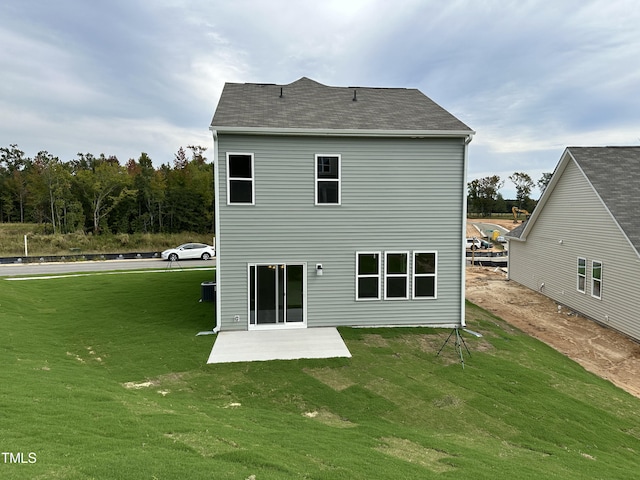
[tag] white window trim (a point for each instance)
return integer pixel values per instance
(593, 280)
(252, 180)
(358, 276)
(397, 275)
(578, 275)
(414, 275)
(338, 180)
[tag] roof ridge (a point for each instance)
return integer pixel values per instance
(311, 105)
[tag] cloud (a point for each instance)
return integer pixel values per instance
(41, 74)
(128, 76)
(120, 136)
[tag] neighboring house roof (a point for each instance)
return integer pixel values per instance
(516, 232)
(308, 105)
(614, 174)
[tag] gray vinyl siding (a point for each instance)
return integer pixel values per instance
(397, 195)
(574, 214)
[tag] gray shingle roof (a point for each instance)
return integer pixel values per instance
(614, 172)
(306, 104)
(516, 232)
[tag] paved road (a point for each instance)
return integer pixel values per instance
(103, 266)
(490, 226)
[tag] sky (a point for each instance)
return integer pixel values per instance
(122, 77)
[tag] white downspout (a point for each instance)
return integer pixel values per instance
(464, 230)
(216, 329)
(216, 211)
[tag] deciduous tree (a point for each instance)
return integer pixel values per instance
(543, 183)
(121, 199)
(483, 193)
(15, 183)
(524, 185)
(103, 188)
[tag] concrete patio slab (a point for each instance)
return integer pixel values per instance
(261, 345)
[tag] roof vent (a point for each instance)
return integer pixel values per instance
(354, 96)
(280, 92)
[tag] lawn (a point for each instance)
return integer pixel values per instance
(103, 378)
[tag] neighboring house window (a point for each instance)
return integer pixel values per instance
(240, 185)
(582, 274)
(368, 276)
(596, 279)
(396, 275)
(328, 180)
(424, 274)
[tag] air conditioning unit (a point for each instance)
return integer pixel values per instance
(208, 292)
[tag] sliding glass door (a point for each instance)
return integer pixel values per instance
(276, 295)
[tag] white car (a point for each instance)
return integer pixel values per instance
(473, 243)
(189, 251)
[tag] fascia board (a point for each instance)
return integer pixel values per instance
(342, 132)
(515, 239)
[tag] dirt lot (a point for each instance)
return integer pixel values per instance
(599, 350)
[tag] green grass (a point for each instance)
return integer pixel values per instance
(103, 377)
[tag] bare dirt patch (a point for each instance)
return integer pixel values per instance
(175, 380)
(433, 343)
(599, 350)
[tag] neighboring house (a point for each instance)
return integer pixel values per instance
(337, 206)
(581, 245)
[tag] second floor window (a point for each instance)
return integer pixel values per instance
(328, 180)
(240, 185)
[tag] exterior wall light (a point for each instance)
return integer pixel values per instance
(319, 269)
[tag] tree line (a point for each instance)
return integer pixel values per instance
(484, 197)
(99, 194)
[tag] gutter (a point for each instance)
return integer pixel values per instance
(468, 134)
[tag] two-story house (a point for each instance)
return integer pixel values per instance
(337, 206)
